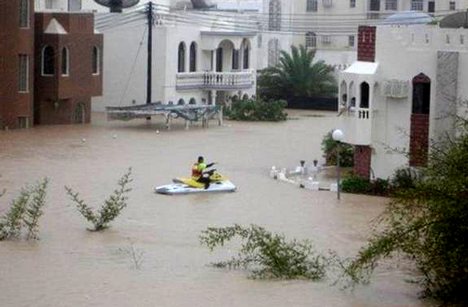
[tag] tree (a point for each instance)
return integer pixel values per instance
(297, 75)
(428, 221)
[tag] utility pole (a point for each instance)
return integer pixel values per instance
(150, 52)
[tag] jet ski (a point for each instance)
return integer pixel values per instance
(218, 183)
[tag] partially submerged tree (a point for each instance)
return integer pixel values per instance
(297, 75)
(428, 221)
(112, 207)
(267, 255)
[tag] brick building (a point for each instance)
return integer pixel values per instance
(69, 67)
(16, 63)
(50, 66)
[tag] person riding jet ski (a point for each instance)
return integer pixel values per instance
(198, 173)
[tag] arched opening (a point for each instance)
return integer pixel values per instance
(193, 57)
(181, 58)
(181, 102)
(419, 134)
(96, 60)
(311, 40)
(246, 54)
(193, 101)
(65, 62)
(225, 49)
(273, 52)
(79, 116)
(344, 93)
(421, 94)
(274, 15)
(364, 103)
(48, 61)
(352, 95)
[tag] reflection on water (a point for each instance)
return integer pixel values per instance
(70, 266)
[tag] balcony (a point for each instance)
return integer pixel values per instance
(357, 126)
(221, 81)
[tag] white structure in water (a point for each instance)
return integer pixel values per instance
(400, 93)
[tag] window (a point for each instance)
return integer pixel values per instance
(24, 14)
(391, 5)
(311, 40)
(447, 39)
(65, 62)
(193, 57)
(312, 6)
(181, 58)
(351, 41)
(352, 3)
(462, 39)
(274, 16)
(364, 96)
(235, 59)
(74, 5)
(23, 76)
(49, 4)
(452, 5)
(417, 5)
(246, 57)
(326, 40)
(48, 61)
(96, 60)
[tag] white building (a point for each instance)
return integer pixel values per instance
(199, 57)
(396, 98)
(330, 26)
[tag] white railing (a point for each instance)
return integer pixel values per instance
(215, 80)
(357, 124)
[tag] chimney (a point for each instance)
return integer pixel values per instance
(366, 43)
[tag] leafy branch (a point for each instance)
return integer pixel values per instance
(112, 207)
(269, 255)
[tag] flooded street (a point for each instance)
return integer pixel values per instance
(71, 266)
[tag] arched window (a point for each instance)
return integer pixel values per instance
(193, 57)
(364, 95)
(311, 40)
(48, 61)
(344, 93)
(181, 102)
(421, 94)
(274, 15)
(273, 52)
(192, 101)
(246, 55)
(65, 62)
(181, 59)
(96, 60)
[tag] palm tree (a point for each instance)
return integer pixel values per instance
(297, 75)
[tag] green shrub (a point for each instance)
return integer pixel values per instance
(25, 211)
(357, 185)
(404, 178)
(112, 206)
(257, 110)
(268, 255)
(330, 147)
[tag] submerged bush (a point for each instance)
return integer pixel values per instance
(257, 110)
(268, 255)
(330, 147)
(25, 211)
(112, 207)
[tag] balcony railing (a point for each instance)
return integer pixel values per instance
(357, 125)
(215, 80)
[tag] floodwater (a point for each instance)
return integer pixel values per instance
(71, 266)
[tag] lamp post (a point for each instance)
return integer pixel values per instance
(337, 135)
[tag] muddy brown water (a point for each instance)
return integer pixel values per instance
(71, 266)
